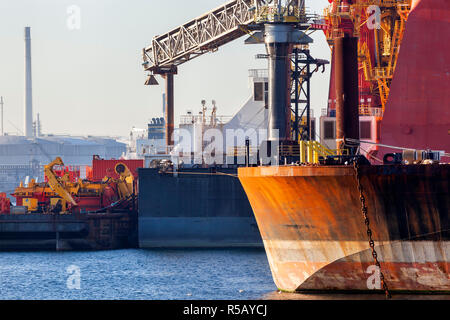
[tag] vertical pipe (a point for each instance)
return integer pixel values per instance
(352, 90)
(279, 48)
(296, 80)
(38, 126)
(338, 52)
(279, 74)
(28, 110)
(308, 99)
(377, 49)
(164, 103)
(169, 109)
(247, 152)
(346, 83)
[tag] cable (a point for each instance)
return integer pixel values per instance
(204, 173)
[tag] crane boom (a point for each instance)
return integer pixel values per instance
(201, 35)
(281, 20)
(55, 184)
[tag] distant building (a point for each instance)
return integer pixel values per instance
(22, 157)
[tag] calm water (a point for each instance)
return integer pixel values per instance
(137, 274)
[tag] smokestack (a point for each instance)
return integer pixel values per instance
(28, 110)
(1, 104)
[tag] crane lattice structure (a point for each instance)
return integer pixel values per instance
(378, 59)
(217, 28)
(214, 29)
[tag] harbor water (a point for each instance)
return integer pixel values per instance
(136, 274)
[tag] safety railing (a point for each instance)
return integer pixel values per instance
(367, 110)
(308, 151)
(258, 73)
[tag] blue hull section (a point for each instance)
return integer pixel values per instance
(198, 232)
(195, 209)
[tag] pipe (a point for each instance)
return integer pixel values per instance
(169, 117)
(339, 87)
(28, 108)
(346, 84)
(279, 48)
(296, 84)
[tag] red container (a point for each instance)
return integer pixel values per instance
(88, 203)
(5, 204)
(105, 168)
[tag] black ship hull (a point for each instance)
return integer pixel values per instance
(195, 208)
(32, 232)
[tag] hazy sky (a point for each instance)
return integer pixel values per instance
(90, 80)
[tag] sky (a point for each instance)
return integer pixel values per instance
(89, 80)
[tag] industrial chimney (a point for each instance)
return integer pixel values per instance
(28, 112)
(1, 105)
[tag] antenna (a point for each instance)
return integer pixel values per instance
(38, 126)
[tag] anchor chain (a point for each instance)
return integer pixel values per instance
(369, 231)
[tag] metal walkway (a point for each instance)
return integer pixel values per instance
(201, 35)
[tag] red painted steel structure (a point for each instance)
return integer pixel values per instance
(5, 204)
(74, 172)
(105, 168)
(367, 95)
(418, 110)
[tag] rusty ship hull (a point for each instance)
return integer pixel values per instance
(314, 233)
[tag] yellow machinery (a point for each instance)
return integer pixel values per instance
(56, 185)
(388, 36)
(125, 183)
(57, 195)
